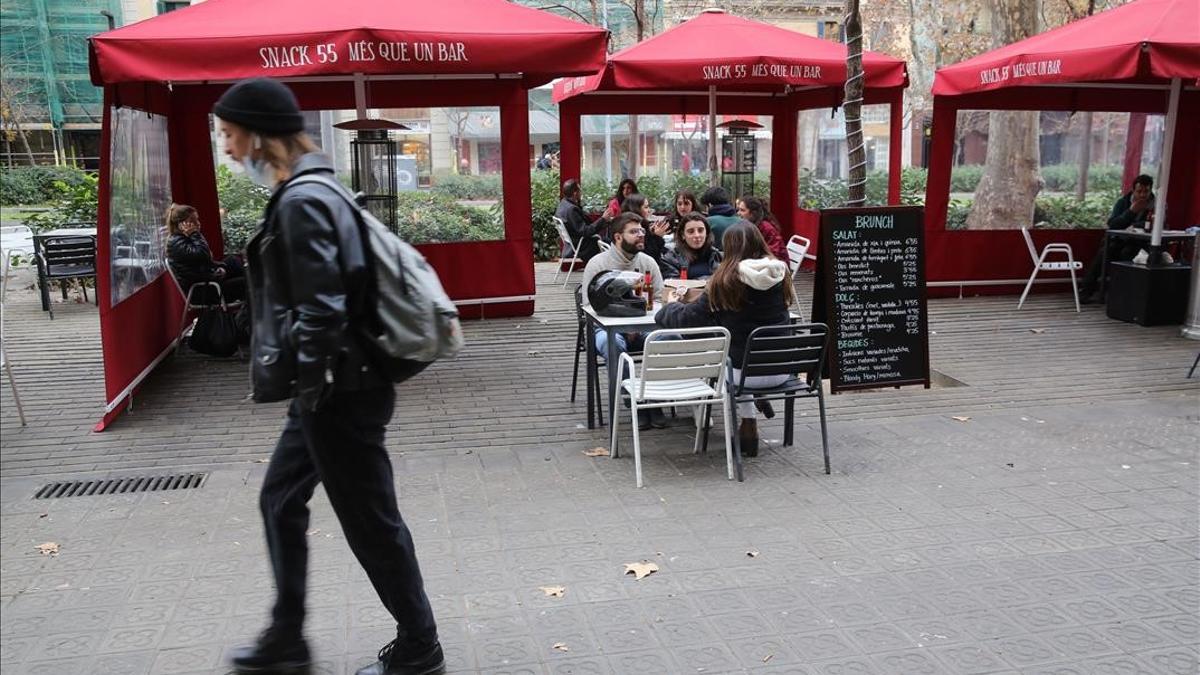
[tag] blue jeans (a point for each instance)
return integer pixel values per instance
(623, 342)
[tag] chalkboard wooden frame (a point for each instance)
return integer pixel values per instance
(825, 292)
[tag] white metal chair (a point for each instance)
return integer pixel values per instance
(189, 305)
(14, 240)
(1040, 264)
(797, 248)
(4, 362)
(604, 245)
(565, 238)
(679, 367)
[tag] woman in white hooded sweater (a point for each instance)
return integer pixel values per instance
(750, 289)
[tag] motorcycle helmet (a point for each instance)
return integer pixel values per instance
(612, 294)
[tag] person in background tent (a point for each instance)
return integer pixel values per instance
(1133, 209)
(755, 210)
(579, 227)
(720, 213)
(192, 260)
(624, 189)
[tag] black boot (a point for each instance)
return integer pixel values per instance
(748, 437)
(396, 658)
(657, 419)
(275, 651)
(765, 408)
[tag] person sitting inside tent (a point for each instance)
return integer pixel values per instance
(1133, 209)
(694, 253)
(624, 189)
(655, 243)
(192, 261)
(755, 210)
(721, 214)
(581, 229)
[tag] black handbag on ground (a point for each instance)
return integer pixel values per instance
(215, 334)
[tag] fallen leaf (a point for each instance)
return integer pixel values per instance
(961, 418)
(264, 460)
(561, 646)
(51, 548)
(596, 452)
(768, 657)
(640, 570)
(753, 553)
(553, 591)
(543, 321)
(1037, 331)
(533, 352)
(313, 531)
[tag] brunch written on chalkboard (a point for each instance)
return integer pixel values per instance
(871, 293)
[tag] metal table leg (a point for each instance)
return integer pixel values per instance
(613, 403)
(591, 365)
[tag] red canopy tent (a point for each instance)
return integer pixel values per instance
(1143, 57)
(404, 54)
(717, 63)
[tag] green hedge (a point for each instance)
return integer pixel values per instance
(469, 187)
(1057, 177)
(38, 184)
(427, 217)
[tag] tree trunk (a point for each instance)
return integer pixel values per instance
(634, 147)
(1011, 180)
(852, 106)
(1085, 157)
(924, 31)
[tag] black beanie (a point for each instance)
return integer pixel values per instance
(261, 105)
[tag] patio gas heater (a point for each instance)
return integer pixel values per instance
(739, 157)
(373, 166)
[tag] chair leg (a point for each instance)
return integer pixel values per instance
(1194, 364)
(570, 269)
(789, 420)
(707, 428)
(1027, 287)
(732, 458)
(44, 291)
(637, 441)
(83, 287)
(575, 373)
(62, 286)
(612, 443)
(824, 429)
(16, 397)
(1075, 288)
(699, 413)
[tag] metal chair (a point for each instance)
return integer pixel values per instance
(64, 258)
(1040, 264)
(582, 343)
(679, 367)
(796, 350)
(797, 248)
(189, 305)
(4, 359)
(565, 238)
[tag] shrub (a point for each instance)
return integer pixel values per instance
(1066, 212)
(243, 202)
(75, 202)
(427, 217)
(824, 193)
(38, 184)
(469, 187)
(965, 178)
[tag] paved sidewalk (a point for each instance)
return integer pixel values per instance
(1035, 540)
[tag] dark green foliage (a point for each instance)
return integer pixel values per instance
(38, 184)
(74, 202)
(469, 187)
(243, 202)
(427, 217)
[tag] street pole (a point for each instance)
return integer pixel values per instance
(608, 177)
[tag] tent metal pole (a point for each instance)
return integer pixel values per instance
(1164, 173)
(714, 178)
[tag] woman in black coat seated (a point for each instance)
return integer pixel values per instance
(750, 289)
(192, 261)
(655, 229)
(694, 252)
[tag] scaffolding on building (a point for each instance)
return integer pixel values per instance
(46, 84)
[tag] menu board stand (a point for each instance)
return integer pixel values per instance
(870, 291)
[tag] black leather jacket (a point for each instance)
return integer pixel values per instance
(308, 283)
(190, 258)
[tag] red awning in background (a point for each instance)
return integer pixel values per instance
(731, 53)
(224, 40)
(1143, 41)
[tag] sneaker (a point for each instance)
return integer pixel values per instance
(424, 661)
(275, 651)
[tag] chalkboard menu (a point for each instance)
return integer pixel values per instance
(870, 290)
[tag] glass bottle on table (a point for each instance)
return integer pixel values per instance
(648, 284)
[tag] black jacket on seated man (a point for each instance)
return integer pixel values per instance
(579, 226)
(1122, 216)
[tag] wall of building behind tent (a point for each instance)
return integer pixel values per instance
(449, 168)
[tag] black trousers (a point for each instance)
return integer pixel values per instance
(341, 445)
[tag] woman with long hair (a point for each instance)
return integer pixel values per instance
(694, 251)
(192, 260)
(625, 188)
(310, 287)
(655, 229)
(755, 210)
(750, 289)
(684, 203)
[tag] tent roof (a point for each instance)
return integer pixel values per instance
(731, 53)
(1143, 41)
(232, 39)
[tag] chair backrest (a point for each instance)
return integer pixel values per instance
(684, 354)
(604, 245)
(795, 349)
(1029, 243)
(69, 250)
(562, 230)
(579, 315)
(797, 248)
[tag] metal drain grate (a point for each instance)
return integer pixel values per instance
(121, 486)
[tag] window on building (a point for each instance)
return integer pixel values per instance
(165, 6)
